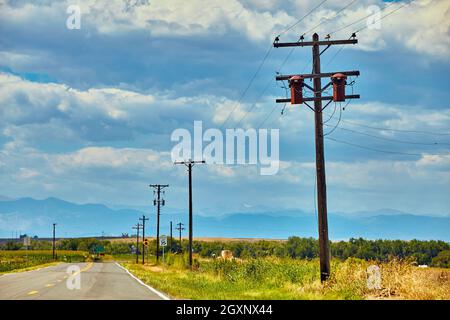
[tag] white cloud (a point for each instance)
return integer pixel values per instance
(259, 21)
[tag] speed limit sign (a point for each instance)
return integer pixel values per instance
(163, 241)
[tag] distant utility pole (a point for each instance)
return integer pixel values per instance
(180, 228)
(158, 202)
(143, 219)
(189, 164)
(296, 83)
(171, 239)
(137, 227)
(54, 241)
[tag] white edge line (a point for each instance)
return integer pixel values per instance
(161, 295)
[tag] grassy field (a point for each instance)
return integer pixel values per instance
(275, 278)
(13, 260)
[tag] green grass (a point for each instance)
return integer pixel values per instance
(268, 278)
(13, 260)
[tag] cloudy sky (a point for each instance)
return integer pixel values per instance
(86, 114)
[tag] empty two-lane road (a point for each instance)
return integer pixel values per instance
(105, 281)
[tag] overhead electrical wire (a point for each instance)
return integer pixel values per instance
(360, 19)
(396, 130)
(366, 26)
(328, 19)
(386, 15)
(307, 32)
(261, 65)
(436, 143)
(301, 19)
(373, 149)
(248, 86)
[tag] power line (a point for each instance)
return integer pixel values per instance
(366, 26)
(254, 103)
(248, 86)
(392, 140)
(396, 130)
(310, 60)
(260, 66)
(386, 15)
(307, 32)
(373, 149)
(302, 18)
(359, 20)
(337, 124)
(328, 19)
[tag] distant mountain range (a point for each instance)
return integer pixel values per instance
(35, 217)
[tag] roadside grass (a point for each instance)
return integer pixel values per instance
(285, 279)
(23, 260)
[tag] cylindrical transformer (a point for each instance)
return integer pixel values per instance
(339, 82)
(296, 85)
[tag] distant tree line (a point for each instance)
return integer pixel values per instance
(436, 253)
(422, 252)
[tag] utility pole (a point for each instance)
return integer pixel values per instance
(143, 219)
(180, 228)
(137, 227)
(171, 240)
(54, 241)
(296, 82)
(158, 202)
(189, 164)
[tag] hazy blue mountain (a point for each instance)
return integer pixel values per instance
(35, 217)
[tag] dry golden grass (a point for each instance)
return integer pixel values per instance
(399, 280)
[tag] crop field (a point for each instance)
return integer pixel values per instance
(11, 260)
(286, 278)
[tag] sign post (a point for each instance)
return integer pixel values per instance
(163, 243)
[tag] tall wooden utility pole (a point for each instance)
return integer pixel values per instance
(137, 227)
(143, 219)
(180, 228)
(324, 249)
(158, 202)
(54, 241)
(171, 239)
(189, 164)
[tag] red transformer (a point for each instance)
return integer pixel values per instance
(296, 85)
(339, 82)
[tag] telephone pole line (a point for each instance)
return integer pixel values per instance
(158, 202)
(296, 83)
(137, 227)
(143, 219)
(54, 241)
(180, 228)
(171, 239)
(189, 164)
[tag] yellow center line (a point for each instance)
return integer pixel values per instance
(86, 268)
(48, 285)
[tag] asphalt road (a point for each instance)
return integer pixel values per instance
(98, 281)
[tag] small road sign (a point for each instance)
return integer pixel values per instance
(163, 241)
